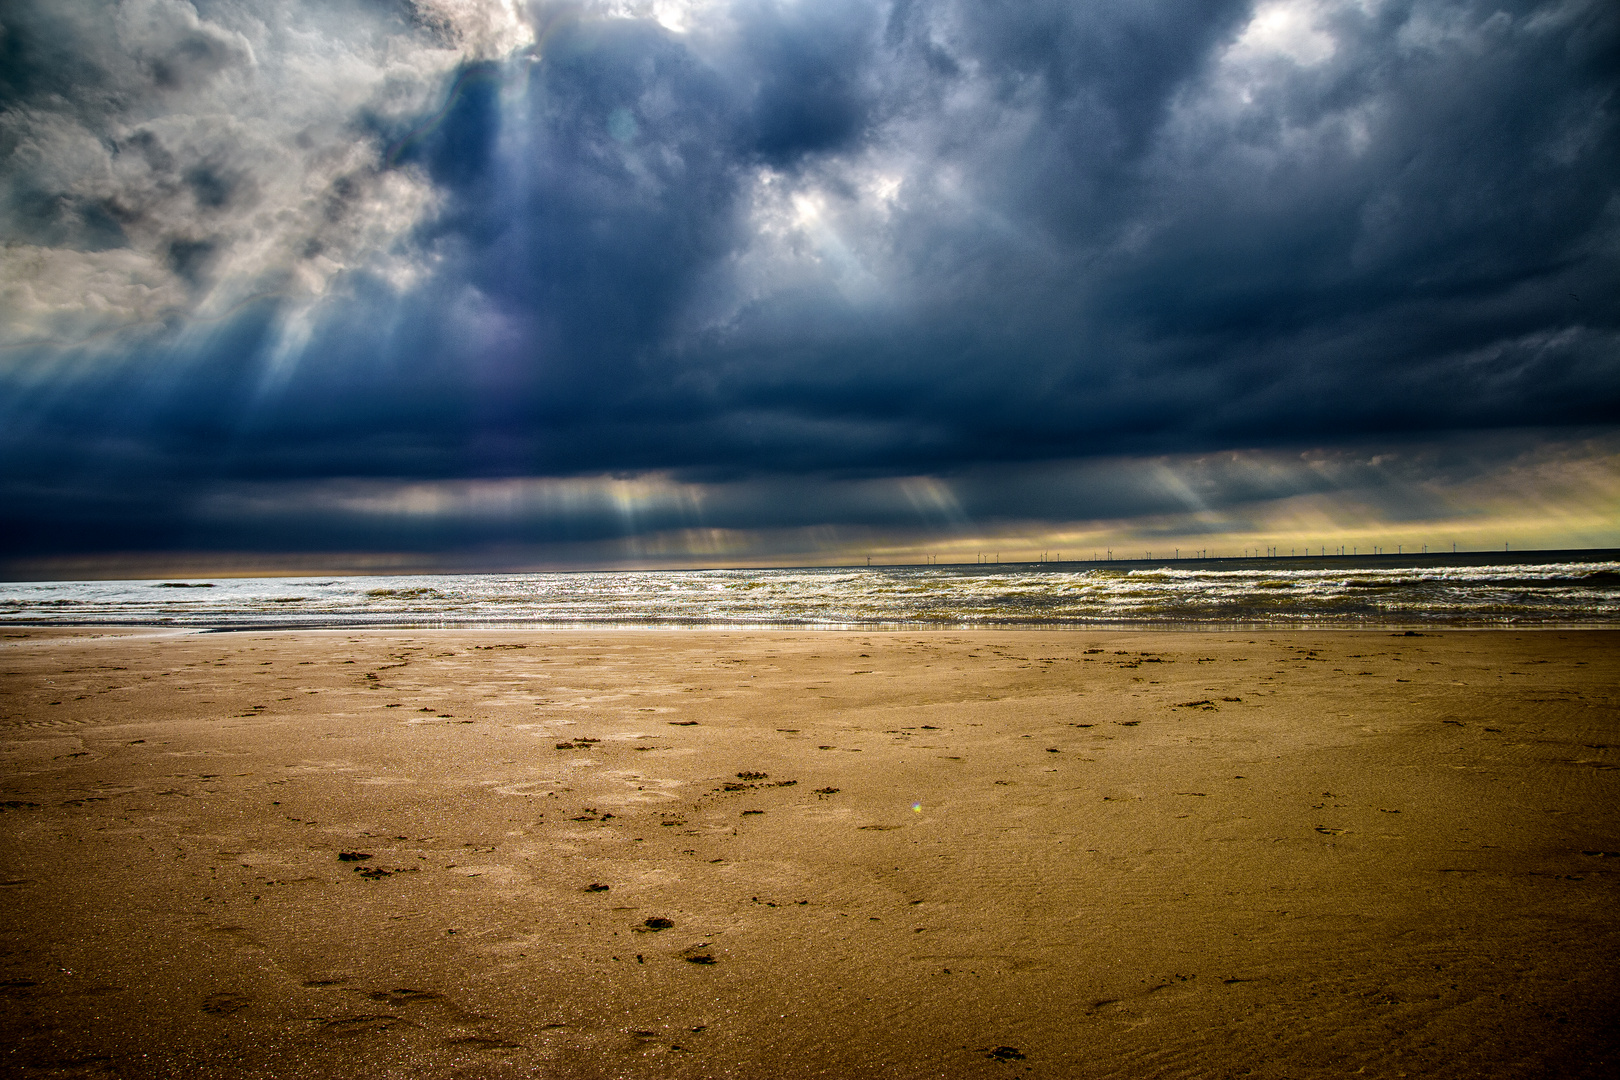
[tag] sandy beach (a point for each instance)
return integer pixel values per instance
(771, 854)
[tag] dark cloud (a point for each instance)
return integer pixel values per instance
(808, 78)
(779, 245)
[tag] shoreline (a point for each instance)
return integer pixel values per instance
(1188, 627)
(883, 854)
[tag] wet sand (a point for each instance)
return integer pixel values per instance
(702, 854)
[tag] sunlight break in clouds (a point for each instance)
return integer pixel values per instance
(226, 163)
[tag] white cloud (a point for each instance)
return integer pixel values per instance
(1287, 28)
(196, 161)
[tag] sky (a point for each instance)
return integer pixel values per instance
(475, 284)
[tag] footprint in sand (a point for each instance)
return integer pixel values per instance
(403, 995)
(225, 1003)
(492, 873)
(483, 1042)
(698, 953)
(361, 1025)
(637, 788)
(528, 787)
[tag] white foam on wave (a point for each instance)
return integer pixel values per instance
(1532, 594)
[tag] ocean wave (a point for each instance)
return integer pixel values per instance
(1560, 593)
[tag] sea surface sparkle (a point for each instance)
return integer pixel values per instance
(1248, 592)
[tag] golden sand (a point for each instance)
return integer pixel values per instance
(704, 854)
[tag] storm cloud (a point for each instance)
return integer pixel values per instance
(312, 276)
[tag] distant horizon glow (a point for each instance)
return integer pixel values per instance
(1545, 501)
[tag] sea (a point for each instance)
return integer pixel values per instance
(1563, 589)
